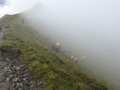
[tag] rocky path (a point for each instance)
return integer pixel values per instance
(3, 83)
(14, 74)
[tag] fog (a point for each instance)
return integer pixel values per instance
(87, 28)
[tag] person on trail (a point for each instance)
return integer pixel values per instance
(74, 59)
(56, 47)
(58, 44)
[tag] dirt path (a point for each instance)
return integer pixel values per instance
(14, 74)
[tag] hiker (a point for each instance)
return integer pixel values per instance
(74, 59)
(58, 44)
(56, 47)
(71, 57)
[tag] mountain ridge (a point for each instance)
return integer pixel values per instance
(57, 70)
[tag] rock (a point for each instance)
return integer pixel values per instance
(6, 69)
(39, 83)
(21, 66)
(25, 78)
(21, 84)
(7, 79)
(25, 71)
(18, 84)
(11, 76)
(17, 68)
(7, 59)
(20, 89)
(25, 75)
(13, 85)
(15, 80)
(1, 79)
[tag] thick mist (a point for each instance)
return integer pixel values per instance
(87, 28)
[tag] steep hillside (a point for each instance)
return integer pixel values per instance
(57, 70)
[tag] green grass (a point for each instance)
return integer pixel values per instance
(56, 69)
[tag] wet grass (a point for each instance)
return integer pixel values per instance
(56, 69)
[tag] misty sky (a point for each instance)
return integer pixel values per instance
(15, 6)
(85, 27)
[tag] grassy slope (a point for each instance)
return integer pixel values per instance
(57, 70)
